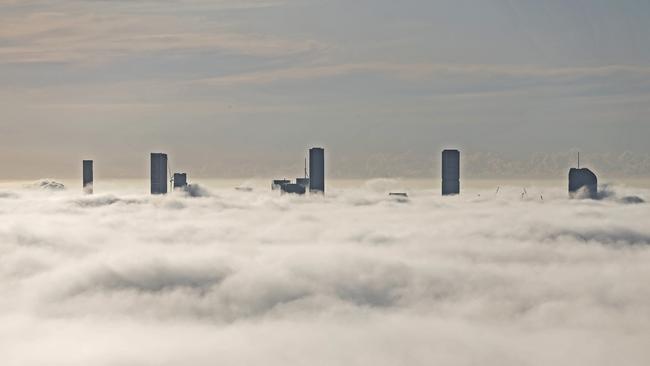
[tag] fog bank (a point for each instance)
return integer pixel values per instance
(353, 278)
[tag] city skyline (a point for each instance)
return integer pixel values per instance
(476, 166)
(221, 84)
(324, 182)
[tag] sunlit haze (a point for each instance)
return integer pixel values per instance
(240, 88)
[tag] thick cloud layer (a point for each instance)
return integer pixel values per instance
(354, 278)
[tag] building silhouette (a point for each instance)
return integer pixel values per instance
(293, 188)
(303, 182)
(450, 172)
(87, 176)
(583, 179)
(158, 173)
(180, 180)
(317, 170)
(278, 183)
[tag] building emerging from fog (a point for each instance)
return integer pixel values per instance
(158, 173)
(303, 182)
(278, 183)
(450, 172)
(293, 188)
(317, 170)
(180, 180)
(583, 179)
(313, 182)
(87, 176)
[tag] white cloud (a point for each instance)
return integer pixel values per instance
(350, 278)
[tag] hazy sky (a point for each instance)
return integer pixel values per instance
(243, 87)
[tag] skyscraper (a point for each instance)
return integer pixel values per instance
(87, 179)
(158, 173)
(317, 170)
(180, 180)
(583, 179)
(293, 188)
(450, 172)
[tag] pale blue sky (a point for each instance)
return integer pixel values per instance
(243, 87)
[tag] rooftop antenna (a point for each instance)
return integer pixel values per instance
(171, 179)
(578, 159)
(306, 168)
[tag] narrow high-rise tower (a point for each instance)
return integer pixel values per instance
(317, 170)
(87, 176)
(450, 172)
(158, 173)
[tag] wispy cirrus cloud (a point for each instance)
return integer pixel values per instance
(51, 33)
(368, 78)
(417, 71)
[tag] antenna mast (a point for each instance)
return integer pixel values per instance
(578, 159)
(171, 179)
(306, 168)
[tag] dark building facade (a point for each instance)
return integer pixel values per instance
(303, 182)
(293, 188)
(278, 183)
(583, 178)
(87, 176)
(317, 170)
(180, 180)
(450, 172)
(158, 173)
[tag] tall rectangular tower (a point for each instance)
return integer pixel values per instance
(450, 172)
(317, 170)
(87, 176)
(158, 173)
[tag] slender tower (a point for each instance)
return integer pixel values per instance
(158, 173)
(317, 170)
(450, 172)
(87, 176)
